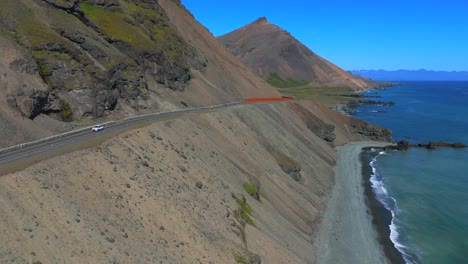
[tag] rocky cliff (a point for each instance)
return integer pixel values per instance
(275, 55)
(90, 54)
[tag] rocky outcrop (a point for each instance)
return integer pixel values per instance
(404, 145)
(371, 131)
(289, 165)
(316, 125)
(349, 107)
(91, 54)
(355, 103)
(293, 172)
(38, 103)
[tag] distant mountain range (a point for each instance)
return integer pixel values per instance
(413, 75)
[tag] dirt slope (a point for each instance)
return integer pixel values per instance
(267, 49)
(166, 193)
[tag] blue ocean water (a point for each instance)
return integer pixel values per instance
(427, 191)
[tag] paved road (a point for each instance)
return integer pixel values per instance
(23, 151)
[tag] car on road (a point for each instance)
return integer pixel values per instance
(97, 128)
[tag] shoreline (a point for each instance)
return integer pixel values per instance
(348, 107)
(346, 234)
(381, 216)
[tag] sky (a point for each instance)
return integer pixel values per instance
(360, 34)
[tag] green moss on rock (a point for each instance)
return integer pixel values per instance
(66, 112)
(60, 70)
(44, 70)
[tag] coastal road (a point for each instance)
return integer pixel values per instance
(40, 148)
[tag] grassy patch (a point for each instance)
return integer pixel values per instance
(243, 216)
(30, 31)
(252, 190)
(246, 217)
(143, 26)
(45, 54)
(326, 95)
(116, 26)
(139, 10)
(36, 32)
(275, 80)
(244, 205)
(245, 211)
(240, 259)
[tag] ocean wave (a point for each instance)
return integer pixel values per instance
(378, 187)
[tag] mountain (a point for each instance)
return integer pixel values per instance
(76, 60)
(274, 54)
(246, 184)
(413, 75)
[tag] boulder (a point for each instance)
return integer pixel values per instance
(403, 145)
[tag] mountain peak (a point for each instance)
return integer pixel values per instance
(269, 51)
(261, 20)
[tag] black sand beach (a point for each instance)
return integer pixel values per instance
(381, 217)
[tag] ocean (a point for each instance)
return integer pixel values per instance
(426, 191)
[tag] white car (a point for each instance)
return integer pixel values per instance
(97, 128)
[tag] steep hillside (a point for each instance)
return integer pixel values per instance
(275, 55)
(246, 182)
(82, 59)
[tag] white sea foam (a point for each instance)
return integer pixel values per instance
(378, 186)
(394, 237)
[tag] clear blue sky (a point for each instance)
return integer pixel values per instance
(360, 34)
